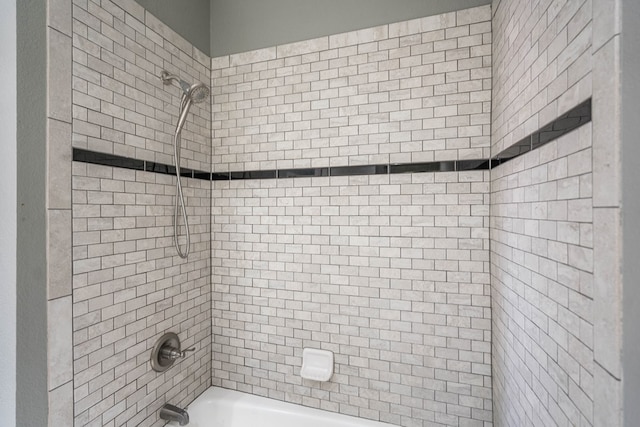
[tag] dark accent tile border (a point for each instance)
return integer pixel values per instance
(473, 165)
(86, 156)
(447, 166)
(206, 176)
(569, 121)
(264, 174)
(105, 159)
(359, 170)
(170, 170)
(564, 124)
(159, 168)
(220, 176)
(302, 173)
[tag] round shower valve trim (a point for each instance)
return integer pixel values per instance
(166, 351)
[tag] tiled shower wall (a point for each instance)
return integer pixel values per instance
(388, 271)
(120, 105)
(542, 217)
(413, 91)
(542, 64)
(345, 99)
(129, 285)
(542, 285)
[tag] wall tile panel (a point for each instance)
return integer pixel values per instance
(542, 285)
(390, 272)
(120, 104)
(408, 92)
(130, 287)
(542, 65)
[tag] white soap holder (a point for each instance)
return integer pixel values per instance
(317, 364)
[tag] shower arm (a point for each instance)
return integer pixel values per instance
(167, 77)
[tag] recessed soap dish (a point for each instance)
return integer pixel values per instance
(317, 364)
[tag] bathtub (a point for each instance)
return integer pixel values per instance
(218, 407)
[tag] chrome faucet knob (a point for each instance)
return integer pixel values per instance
(170, 353)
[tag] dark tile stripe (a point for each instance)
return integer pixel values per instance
(358, 170)
(105, 159)
(301, 173)
(220, 177)
(573, 119)
(473, 165)
(564, 124)
(264, 174)
(206, 176)
(170, 170)
(159, 168)
(446, 166)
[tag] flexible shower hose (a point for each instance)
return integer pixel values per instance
(180, 208)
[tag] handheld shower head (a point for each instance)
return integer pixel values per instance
(191, 94)
(197, 92)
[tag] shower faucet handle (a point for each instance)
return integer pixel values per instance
(166, 351)
(172, 353)
(183, 353)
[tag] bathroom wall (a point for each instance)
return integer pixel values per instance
(541, 66)
(389, 271)
(244, 25)
(542, 285)
(543, 225)
(537, 78)
(415, 91)
(120, 105)
(129, 285)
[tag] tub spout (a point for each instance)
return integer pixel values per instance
(173, 413)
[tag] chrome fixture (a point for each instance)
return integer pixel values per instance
(191, 94)
(166, 351)
(198, 92)
(173, 413)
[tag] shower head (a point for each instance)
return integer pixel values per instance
(197, 92)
